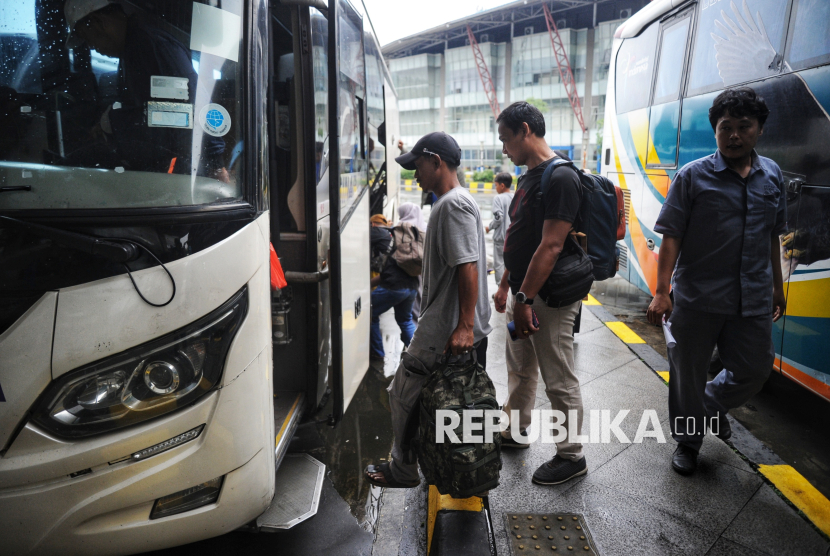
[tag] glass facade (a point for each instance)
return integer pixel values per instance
(533, 74)
(417, 80)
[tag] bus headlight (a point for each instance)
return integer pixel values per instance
(146, 381)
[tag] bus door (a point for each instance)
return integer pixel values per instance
(349, 206)
(805, 259)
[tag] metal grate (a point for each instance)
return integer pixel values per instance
(299, 483)
(548, 534)
(627, 199)
(623, 256)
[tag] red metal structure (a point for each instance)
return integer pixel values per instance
(564, 68)
(484, 74)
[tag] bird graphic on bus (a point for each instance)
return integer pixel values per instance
(744, 52)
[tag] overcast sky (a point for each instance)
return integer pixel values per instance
(396, 19)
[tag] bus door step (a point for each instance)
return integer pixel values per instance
(296, 494)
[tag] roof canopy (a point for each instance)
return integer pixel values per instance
(498, 20)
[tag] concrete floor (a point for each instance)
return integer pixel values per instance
(631, 499)
(792, 421)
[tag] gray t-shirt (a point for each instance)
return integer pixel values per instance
(455, 236)
(501, 216)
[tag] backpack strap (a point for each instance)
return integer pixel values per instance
(557, 162)
(545, 186)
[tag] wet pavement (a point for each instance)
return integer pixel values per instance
(790, 420)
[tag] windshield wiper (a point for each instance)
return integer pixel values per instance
(115, 251)
(15, 188)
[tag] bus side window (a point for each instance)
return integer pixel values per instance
(375, 107)
(808, 42)
(672, 54)
(733, 45)
(320, 70)
(664, 116)
(285, 148)
(635, 67)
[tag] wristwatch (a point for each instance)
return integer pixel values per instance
(522, 298)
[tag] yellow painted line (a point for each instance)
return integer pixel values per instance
(624, 332)
(800, 492)
(591, 300)
(438, 502)
(664, 375)
(287, 419)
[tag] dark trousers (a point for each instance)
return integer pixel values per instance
(746, 350)
(400, 300)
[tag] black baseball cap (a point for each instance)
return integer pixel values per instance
(436, 142)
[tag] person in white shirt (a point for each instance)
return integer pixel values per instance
(501, 220)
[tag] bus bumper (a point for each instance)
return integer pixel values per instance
(43, 510)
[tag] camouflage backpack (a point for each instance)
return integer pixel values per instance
(460, 470)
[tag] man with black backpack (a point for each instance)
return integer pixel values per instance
(542, 217)
(455, 313)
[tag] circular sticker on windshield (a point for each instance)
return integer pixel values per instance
(215, 120)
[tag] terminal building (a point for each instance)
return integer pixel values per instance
(439, 86)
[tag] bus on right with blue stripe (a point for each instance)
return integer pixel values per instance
(669, 61)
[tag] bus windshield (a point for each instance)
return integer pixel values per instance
(109, 105)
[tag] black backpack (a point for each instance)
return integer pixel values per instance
(598, 218)
(460, 470)
(379, 254)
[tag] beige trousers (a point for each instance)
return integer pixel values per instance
(550, 350)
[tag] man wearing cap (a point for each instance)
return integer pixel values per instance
(143, 51)
(455, 313)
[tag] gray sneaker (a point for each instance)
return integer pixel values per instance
(558, 470)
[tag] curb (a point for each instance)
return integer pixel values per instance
(787, 482)
(457, 526)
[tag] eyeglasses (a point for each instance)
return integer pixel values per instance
(426, 152)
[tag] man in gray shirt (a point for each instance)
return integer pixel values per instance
(455, 311)
(501, 220)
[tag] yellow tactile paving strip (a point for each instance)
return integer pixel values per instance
(785, 478)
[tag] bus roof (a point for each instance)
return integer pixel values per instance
(638, 21)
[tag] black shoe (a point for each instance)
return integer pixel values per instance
(508, 442)
(558, 470)
(684, 460)
(724, 428)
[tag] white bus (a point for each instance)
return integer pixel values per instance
(150, 377)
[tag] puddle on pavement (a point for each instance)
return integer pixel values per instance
(629, 304)
(364, 436)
